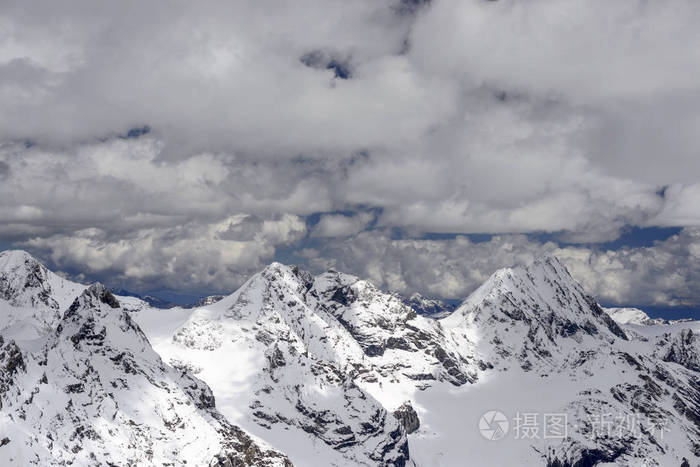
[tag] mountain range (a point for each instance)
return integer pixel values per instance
(302, 369)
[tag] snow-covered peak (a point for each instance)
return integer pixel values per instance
(32, 298)
(95, 296)
(25, 282)
(542, 288)
(537, 312)
(9, 259)
(629, 316)
(296, 362)
(95, 318)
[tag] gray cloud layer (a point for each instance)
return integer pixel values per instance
(458, 117)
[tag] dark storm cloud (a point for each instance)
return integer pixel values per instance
(229, 122)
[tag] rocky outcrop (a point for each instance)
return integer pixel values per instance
(682, 348)
(408, 417)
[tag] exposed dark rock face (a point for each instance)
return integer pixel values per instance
(683, 349)
(408, 417)
(11, 363)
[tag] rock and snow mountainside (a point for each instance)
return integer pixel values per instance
(529, 339)
(536, 317)
(94, 392)
(24, 282)
(537, 323)
(206, 301)
(34, 297)
(307, 350)
(330, 370)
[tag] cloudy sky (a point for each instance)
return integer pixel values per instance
(184, 145)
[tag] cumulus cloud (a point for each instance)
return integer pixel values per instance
(449, 268)
(666, 273)
(340, 225)
(189, 257)
(451, 116)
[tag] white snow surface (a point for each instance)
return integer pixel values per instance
(629, 316)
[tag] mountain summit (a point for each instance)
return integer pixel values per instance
(534, 313)
(25, 282)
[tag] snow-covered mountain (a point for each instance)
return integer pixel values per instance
(535, 317)
(330, 370)
(92, 391)
(556, 351)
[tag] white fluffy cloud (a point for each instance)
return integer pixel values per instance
(507, 117)
(666, 273)
(190, 257)
(340, 225)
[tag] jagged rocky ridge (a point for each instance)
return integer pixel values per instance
(35, 297)
(309, 355)
(332, 371)
(97, 393)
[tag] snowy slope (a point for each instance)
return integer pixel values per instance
(97, 393)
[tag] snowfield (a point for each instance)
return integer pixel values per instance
(329, 370)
